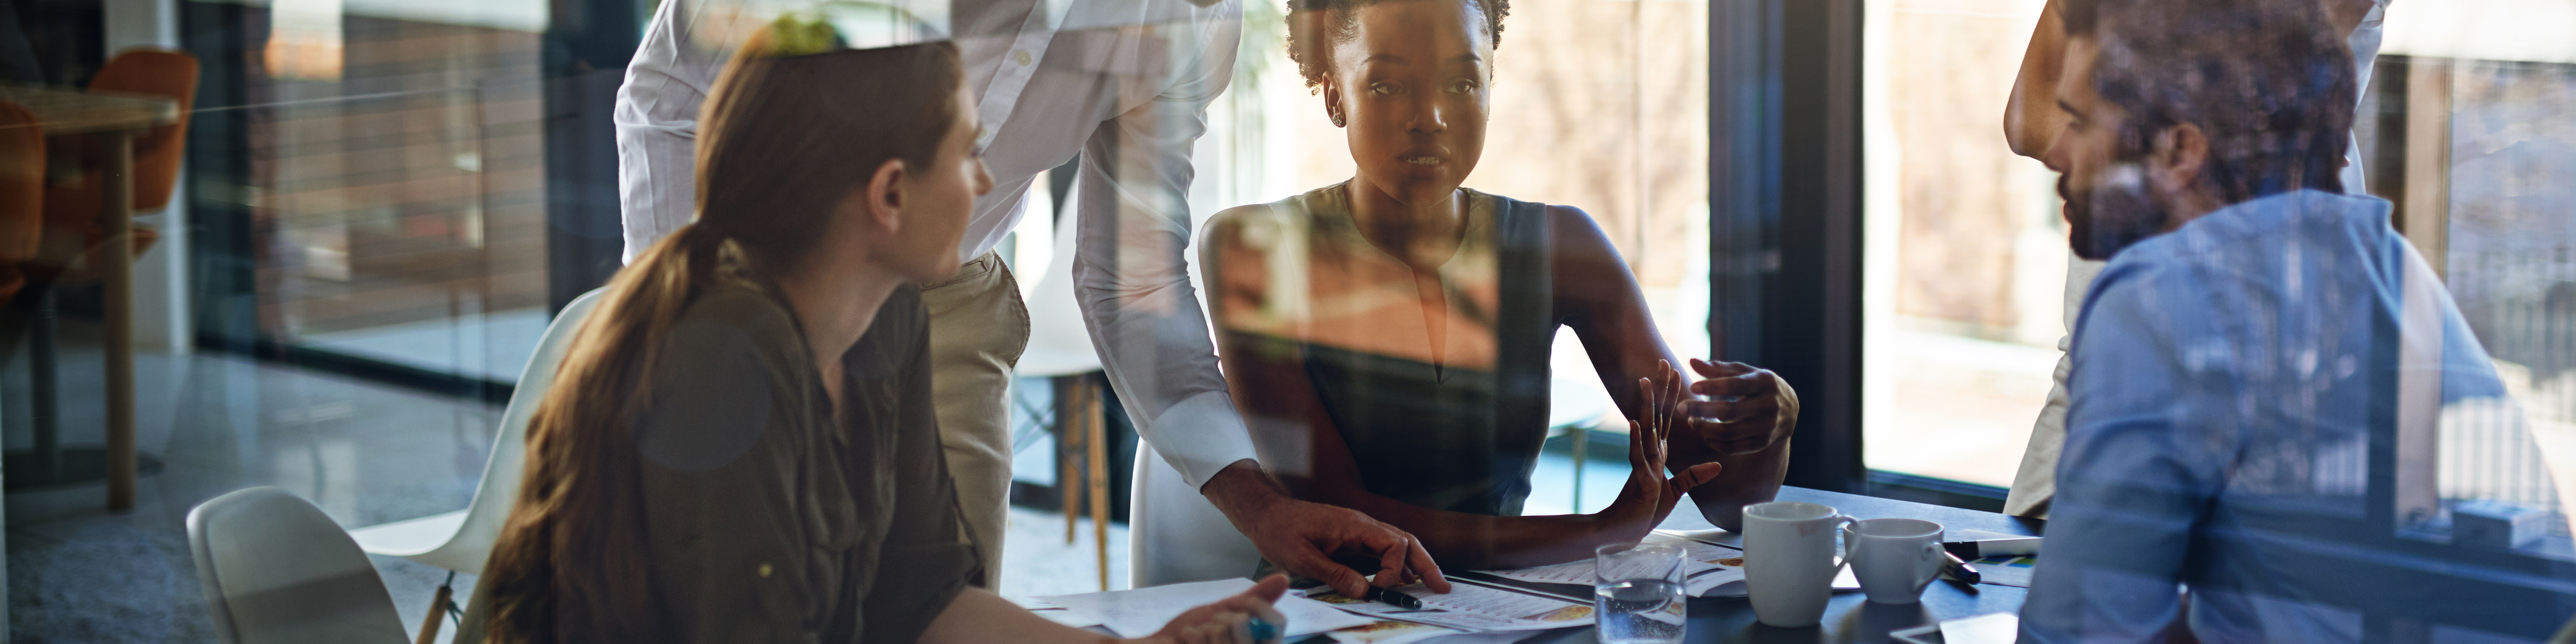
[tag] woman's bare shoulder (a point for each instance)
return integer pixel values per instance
(1574, 231)
(1259, 225)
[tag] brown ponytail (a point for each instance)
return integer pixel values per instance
(782, 141)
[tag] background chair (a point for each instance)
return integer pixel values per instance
(462, 540)
(67, 245)
(72, 203)
(277, 571)
(22, 196)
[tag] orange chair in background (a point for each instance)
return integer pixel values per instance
(72, 206)
(22, 194)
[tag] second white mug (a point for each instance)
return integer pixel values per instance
(1893, 558)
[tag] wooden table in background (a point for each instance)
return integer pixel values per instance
(114, 119)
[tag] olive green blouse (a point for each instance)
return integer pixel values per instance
(770, 522)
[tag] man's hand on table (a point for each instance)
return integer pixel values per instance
(1748, 409)
(1305, 538)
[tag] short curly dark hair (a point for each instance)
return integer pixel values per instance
(1333, 19)
(2269, 82)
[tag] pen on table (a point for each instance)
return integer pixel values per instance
(1993, 547)
(1396, 599)
(1958, 569)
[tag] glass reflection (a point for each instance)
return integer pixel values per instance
(2263, 372)
(1388, 336)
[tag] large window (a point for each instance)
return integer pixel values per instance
(376, 172)
(1965, 254)
(1966, 267)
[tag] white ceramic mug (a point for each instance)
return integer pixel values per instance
(1893, 558)
(1789, 561)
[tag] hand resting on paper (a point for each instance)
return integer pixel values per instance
(1317, 541)
(1229, 620)
(977, 616)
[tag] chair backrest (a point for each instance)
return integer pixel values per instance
(22, 192)
(163, 73)
(277, 571)
(499, 490)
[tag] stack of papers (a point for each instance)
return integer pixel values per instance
(1495, 602)
(1543, 597)
(1470, 606)
(1141, 612)
(1706, 565)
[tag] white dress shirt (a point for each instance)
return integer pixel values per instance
(1124, 84)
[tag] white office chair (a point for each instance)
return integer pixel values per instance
(277, 571)
(461, 540)
(1174, 535)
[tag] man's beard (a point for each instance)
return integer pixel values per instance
(2113, 213)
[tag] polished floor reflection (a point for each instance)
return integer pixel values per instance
(366, 453)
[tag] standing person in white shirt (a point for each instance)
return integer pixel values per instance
(2032, 122)
(1123, 84)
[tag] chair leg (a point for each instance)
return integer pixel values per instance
(40, 381)
(1096, 442)
(1068, 442)
(1582, 435)
(437, 612)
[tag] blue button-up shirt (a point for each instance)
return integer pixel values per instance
(2229, 378)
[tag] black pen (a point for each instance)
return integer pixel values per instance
(1396, 599)
(1958, 569)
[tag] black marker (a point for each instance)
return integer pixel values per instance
(1958, 569)
(1392, 598)
(1993, 547)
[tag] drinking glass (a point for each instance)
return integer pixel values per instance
(1637, 594)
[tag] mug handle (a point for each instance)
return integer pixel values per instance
(1929, 565)
(1842, 526)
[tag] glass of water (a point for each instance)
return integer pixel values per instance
(1637, 594)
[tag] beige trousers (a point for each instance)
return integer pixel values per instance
(978, 327)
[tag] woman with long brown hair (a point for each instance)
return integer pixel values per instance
(739, 444)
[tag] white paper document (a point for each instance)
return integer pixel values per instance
(1705, 566)
(1141, 612)
(1389, 632)
(1990, 628)
(1469, 607)
(1701, 561)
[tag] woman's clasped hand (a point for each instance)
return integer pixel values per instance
(1748, 409)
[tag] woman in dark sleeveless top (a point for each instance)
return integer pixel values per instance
(1387, 337)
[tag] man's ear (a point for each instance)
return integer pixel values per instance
(2179, 161)
(883, 199)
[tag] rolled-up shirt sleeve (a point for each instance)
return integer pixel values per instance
(656, 118)
(1131, 274)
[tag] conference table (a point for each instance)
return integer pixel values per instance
(1850, 618)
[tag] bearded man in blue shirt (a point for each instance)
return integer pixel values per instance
(2251, 363)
